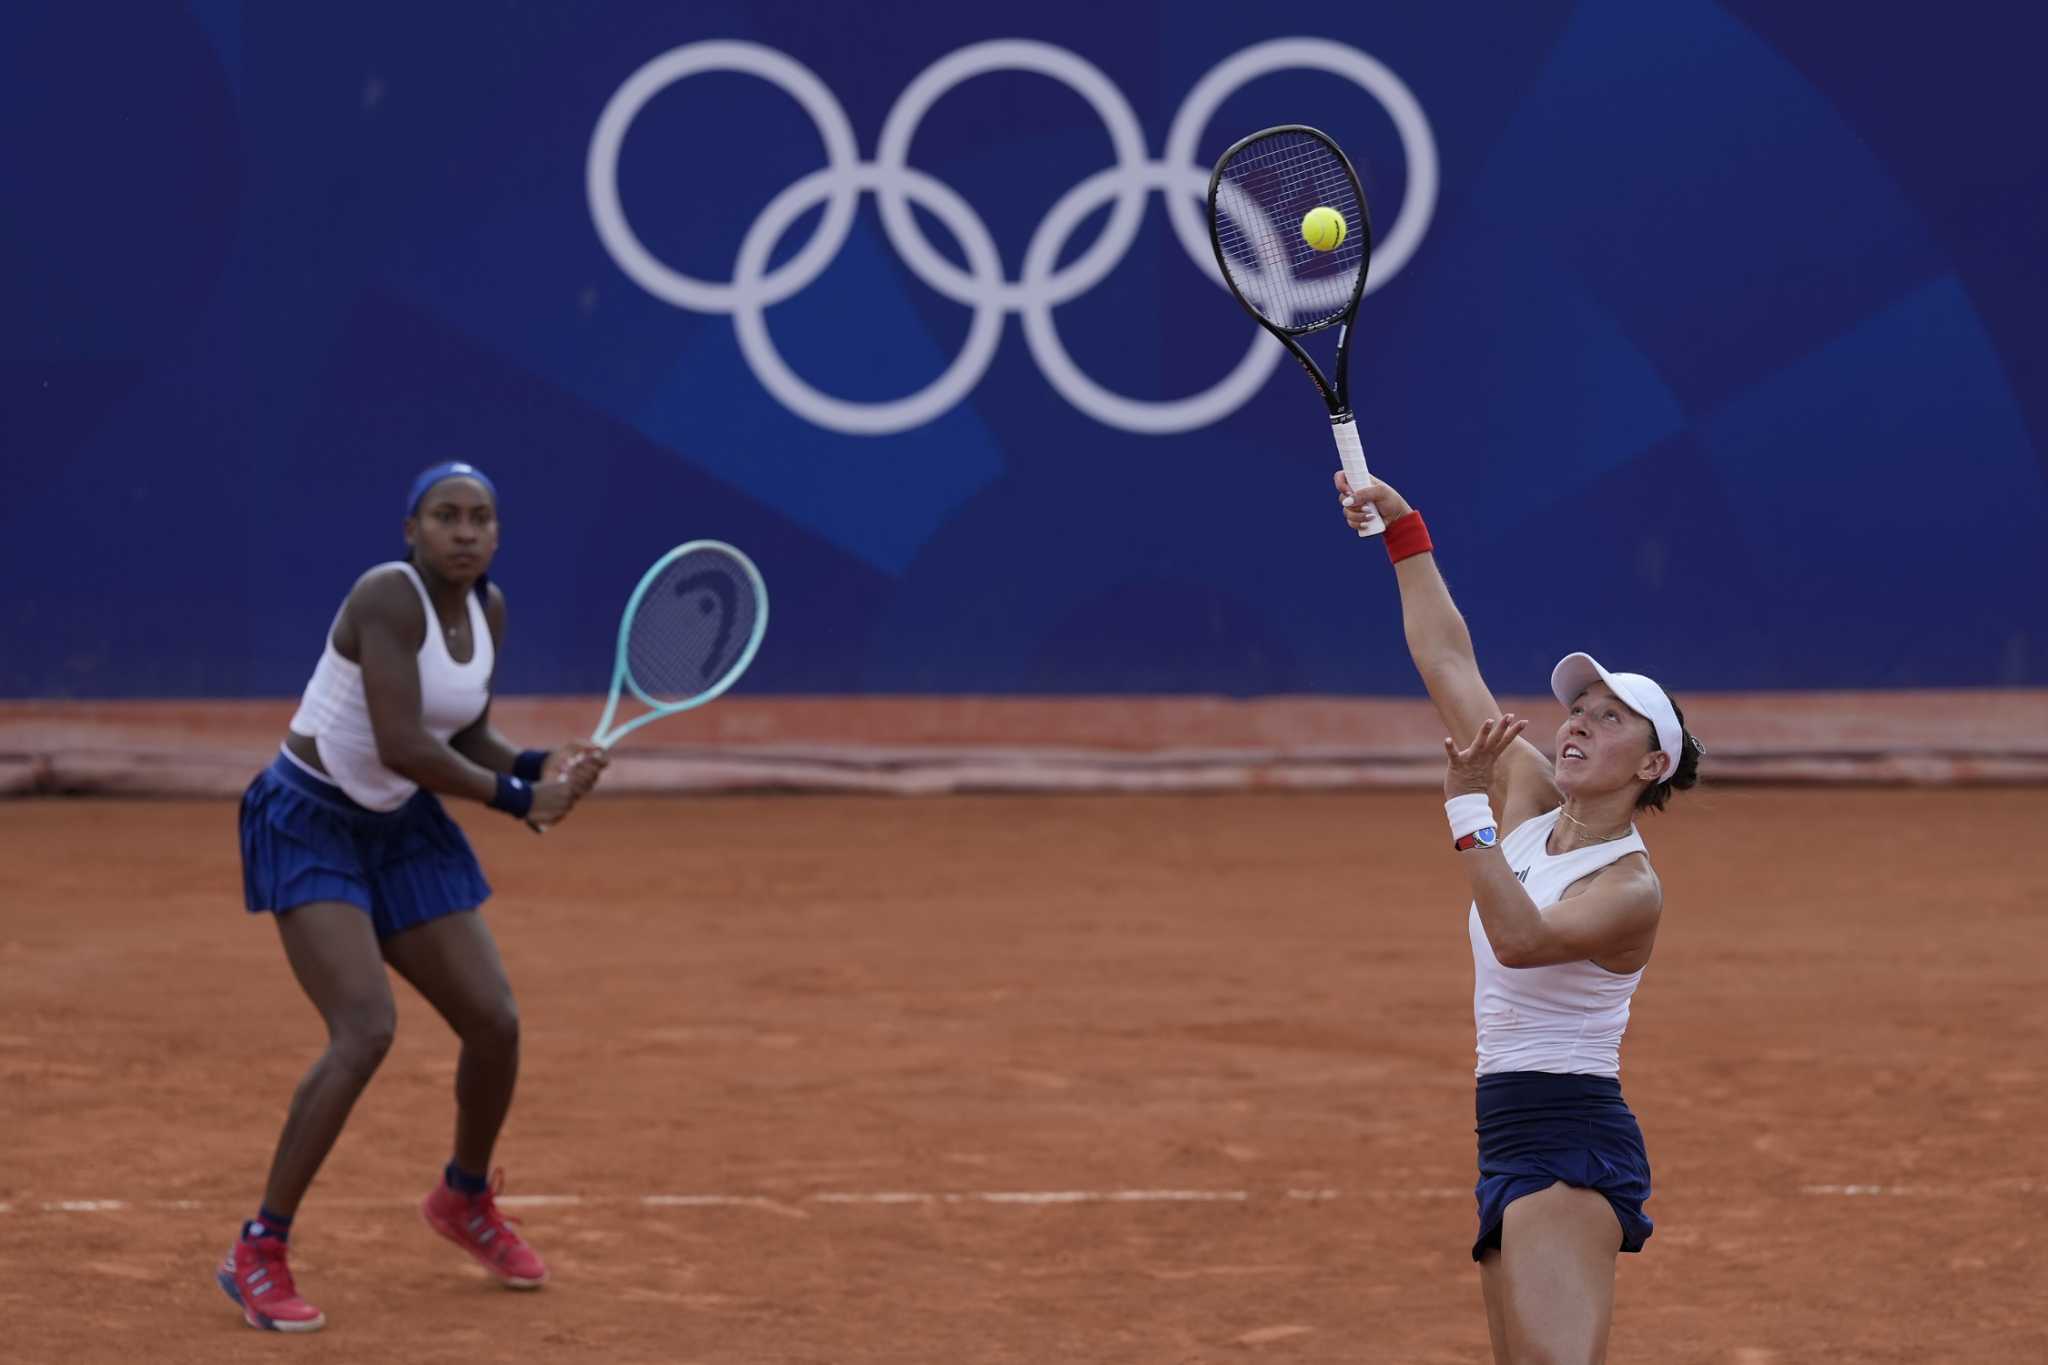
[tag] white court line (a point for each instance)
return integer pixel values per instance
(878, 1198)
(1046, 1197)
(788, 1207)
(1925, 1191)
(1112, 1197)
(1178, 1196)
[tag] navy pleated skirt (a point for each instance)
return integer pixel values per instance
(1536, 1128)
(303, 841)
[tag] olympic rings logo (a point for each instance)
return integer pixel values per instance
(983, 286)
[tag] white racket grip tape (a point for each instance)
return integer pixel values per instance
(1352, 452)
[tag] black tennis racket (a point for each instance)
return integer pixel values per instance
(1272, 198)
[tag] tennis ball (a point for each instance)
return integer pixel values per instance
(1323, 228)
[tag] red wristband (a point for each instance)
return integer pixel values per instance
(1406, 535)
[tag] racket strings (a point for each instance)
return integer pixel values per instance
(1264, 192)
(690, 627)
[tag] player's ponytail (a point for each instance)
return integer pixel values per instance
(1686, 778)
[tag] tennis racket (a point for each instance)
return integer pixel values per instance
(1260, 197)
(690, 629)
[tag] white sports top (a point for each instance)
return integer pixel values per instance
(335, 716)
(1567, 1018)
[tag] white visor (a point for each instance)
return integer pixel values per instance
(1577, 672)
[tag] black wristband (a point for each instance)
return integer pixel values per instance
(527, 766)
(513, 796)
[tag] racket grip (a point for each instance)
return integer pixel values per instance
(538, 828)
(1351, 451)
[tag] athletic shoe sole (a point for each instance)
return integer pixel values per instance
(509, 1281)
(257, 1320)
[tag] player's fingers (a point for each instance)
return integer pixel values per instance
(1359, 498)
(1497, 739)
(1342, 481)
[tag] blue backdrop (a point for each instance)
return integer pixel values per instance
(1716, 341)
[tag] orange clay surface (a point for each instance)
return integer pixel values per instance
(1235, 1030)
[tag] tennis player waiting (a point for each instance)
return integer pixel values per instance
(344, 842)
(1564, 915)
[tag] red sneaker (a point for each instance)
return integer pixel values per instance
(473, 1223)
(255, 1276)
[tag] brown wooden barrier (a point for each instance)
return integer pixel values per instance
(939, 744)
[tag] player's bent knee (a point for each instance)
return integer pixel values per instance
(361, 1038)
(496, 1028)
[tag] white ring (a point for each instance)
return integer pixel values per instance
(1418, 143)
(601, 173)
(750, 324)
(1151, 418)
(1012, 54)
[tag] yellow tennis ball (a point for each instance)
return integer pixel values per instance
(1324, 228)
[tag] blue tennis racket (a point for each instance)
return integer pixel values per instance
(690, 629)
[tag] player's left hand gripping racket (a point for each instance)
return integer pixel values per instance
(1261, 192)
(690, 629)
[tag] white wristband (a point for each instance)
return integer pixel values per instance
(1469, 813)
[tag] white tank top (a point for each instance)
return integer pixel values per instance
(1567, 1018)
(335, 716)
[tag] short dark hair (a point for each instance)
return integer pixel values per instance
(1686, 777)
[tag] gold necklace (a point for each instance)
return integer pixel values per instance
(1587, 829)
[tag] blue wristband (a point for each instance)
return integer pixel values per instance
(513, 796)
(527, 766)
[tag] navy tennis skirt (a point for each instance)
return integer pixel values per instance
(1536, 1128)
(303, 840)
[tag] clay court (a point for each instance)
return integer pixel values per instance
(1038, 1079)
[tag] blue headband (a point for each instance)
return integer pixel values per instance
(450, 469)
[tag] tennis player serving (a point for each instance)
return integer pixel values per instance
(1565, 908)
(344, 842)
